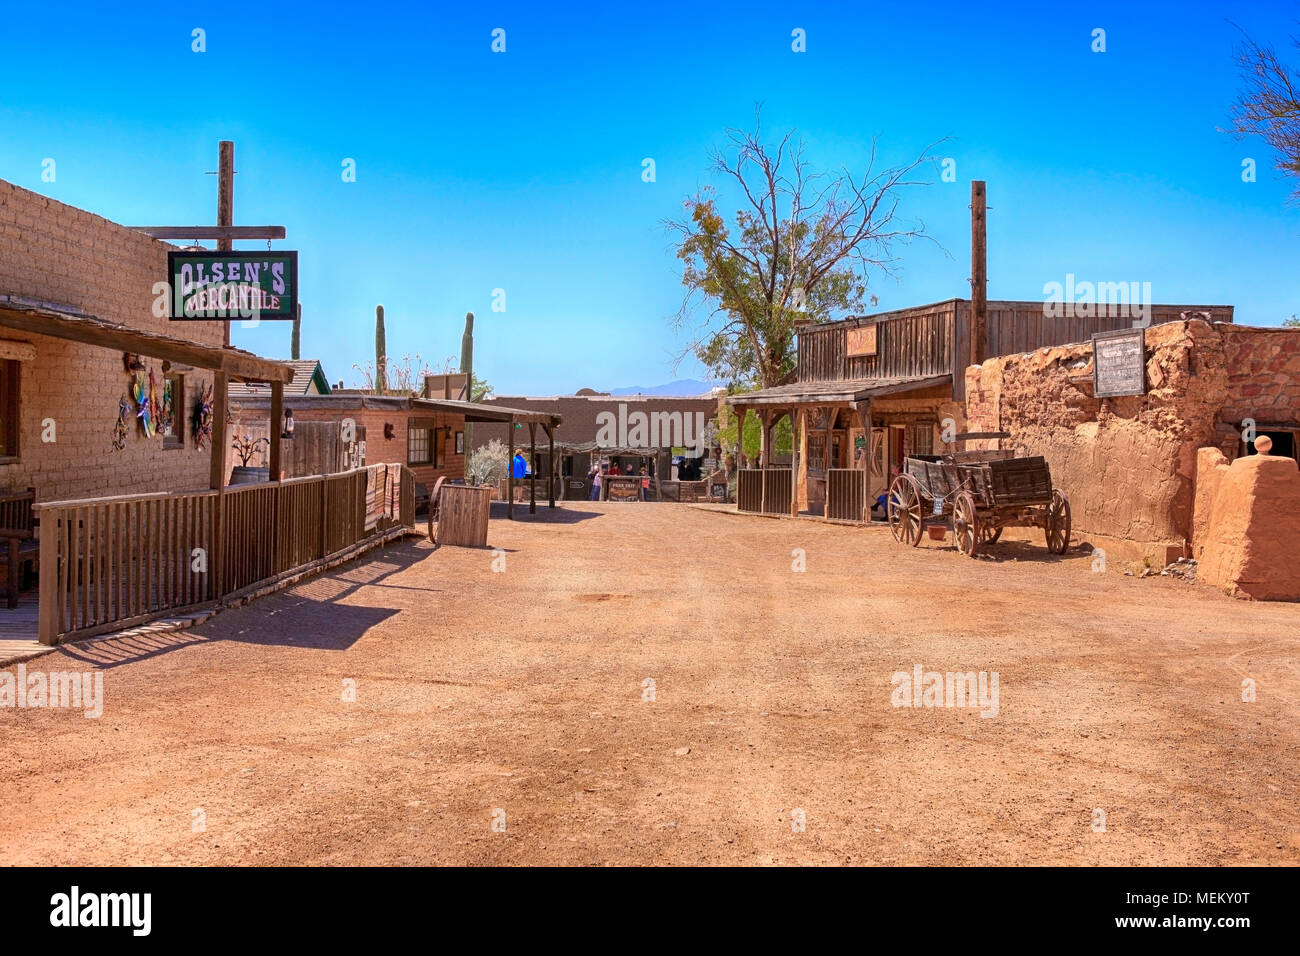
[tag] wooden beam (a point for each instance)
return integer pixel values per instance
(554, 465)
(510, 471)
(212, 232)
(277, 415)
(92, 331)
(979, 304)
(799, 484)
(225, 201)
(532, 468)
(217, 466)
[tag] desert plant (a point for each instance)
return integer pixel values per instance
(488, 463)
(381, 353)
(405, 378)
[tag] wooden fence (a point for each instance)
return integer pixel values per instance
(764, 490)
(109, 562)
(846, 493)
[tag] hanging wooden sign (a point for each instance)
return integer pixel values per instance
(224, 286)
(1119, 363)
(862, 341)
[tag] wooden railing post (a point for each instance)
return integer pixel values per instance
(48, 607)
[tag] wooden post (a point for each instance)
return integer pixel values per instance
(217, 469)
(799, 495)
(555, 465)
(47, 623)
(226, 200)
(740, 435)
(510, 472)
(277, 416)
(979, 304)
(532, 468)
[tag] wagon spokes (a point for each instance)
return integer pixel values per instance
(904, 510)
(1057, 525)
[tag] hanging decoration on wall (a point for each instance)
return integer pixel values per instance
(119, 429)
(155, 404)
(203, 418)
(168, 411)
(143, 405)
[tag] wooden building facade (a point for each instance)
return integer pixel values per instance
(870, 390)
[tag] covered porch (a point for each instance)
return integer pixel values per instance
(845, 441)
(116, 561)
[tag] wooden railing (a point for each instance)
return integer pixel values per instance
(846, 493)
(764, 490)
(115, 561)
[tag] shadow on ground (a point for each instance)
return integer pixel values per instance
(309, 615)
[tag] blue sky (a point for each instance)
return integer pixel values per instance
(522, 171)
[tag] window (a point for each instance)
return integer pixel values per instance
(816, 452)
(9, 373)
(923, 438)
(173, 416)
(419, 446)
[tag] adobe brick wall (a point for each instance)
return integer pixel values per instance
(1129, 465)
(66, 256)
(1263, 368)
(380, 450)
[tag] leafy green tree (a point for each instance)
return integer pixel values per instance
(800, 248)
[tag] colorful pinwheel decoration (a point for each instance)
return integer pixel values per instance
(144, 405)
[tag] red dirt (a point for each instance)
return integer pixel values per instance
(522, 691)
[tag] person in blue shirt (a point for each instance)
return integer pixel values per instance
(519, 468)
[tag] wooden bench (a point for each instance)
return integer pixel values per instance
(18, 536)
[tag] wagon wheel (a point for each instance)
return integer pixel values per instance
(904, 510)
(966, 524)
(989, 534)
(1057, 528)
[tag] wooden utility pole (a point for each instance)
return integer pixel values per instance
(979, 302)
(226, 206)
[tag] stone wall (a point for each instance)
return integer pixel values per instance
(65, 256)
(1128, 464)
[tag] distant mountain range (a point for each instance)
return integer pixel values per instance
(683, 386)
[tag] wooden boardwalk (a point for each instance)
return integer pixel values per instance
(18, 628)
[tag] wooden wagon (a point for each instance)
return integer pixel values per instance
(977, 499)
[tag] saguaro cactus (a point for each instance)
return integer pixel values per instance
(381, 353)
(467, 367)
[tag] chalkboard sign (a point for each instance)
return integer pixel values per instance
(1119, 363)
(718, 490)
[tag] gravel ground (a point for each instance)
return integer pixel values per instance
(519, 697)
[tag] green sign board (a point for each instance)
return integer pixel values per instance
(223, 286)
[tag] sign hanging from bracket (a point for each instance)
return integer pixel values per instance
(219, 286)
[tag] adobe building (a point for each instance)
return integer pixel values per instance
(609, 427)
(869, 391)
(1132, 465)
(76, 311)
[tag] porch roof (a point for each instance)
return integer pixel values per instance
(64, 322)
(841, 392)
(345, 400)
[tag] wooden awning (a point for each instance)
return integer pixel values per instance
(65, 323)
(342, 400)
(834, 393)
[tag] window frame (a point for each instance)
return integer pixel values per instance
(429, 443)
(11, 411)
(177, 438)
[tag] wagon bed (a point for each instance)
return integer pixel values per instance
(978, 494)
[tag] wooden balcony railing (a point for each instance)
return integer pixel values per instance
(109, 562)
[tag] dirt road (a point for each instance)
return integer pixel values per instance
(520, 697)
